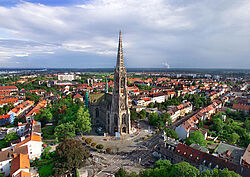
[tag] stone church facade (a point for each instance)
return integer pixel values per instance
(111, 111)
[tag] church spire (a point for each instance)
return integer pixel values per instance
(120, 59)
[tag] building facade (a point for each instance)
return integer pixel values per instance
(111, 111)
(120, 115)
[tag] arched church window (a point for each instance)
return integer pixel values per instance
(124, 130)
(116, 119)
(124, 118)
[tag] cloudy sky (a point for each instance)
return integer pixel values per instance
(156, 33)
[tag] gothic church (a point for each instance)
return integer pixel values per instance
(111, 111)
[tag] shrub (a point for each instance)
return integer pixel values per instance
(108, 150)
(93, 144)
(99, 146)
(88, 140)
(83, 138)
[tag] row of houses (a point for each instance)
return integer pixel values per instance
(21, 109)
(9, 88)
(180, 110)
(30, 116)
(15, 159)
(183, 130)
(228, 156)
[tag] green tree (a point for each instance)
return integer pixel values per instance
(184, 169)
(11, 137)
(151, 105)
(217, 173)
(133, 114)
(171, 133)
(196, 137)
(69, 156)
(83, 120)
(44, 116)
(218, 124)
(142, 114)
(65, 131)
(233, 138)
(163, 164)
(121, 173)
(7, 139)
(153, 118)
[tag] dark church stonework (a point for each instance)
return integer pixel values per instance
(112, 111)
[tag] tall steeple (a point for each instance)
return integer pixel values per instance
(120, 59)
(119, 121)
(106, 86)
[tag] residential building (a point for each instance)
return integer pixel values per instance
(5, 101)
(241, 107)
(20, 166)
(5, 119)
(30, 116)
(8, 88)
(6, 157)
(34, 143)
(66, 77)
(246, 157)
(21, 108)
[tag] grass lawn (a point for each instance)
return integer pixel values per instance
(46, 170)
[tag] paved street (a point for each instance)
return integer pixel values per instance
(129, 153)
(132, 153)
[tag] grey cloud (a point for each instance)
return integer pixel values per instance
(207, 33)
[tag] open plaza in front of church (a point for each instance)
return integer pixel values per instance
(128, 151)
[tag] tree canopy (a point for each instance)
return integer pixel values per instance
(69, 156)
(164, 168)
(171, 133)
(159, 120)
(196, 137)
(64, 131)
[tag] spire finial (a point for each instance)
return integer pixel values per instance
(120, 60)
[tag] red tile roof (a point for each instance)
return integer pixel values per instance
(190, 153)
(30, 138)
(21, 161)
(241, 107)
(3, 88)
(4, 116)
(22, 106)
(78, 96)
(37, 108)
(246, 157)
(8, 100)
